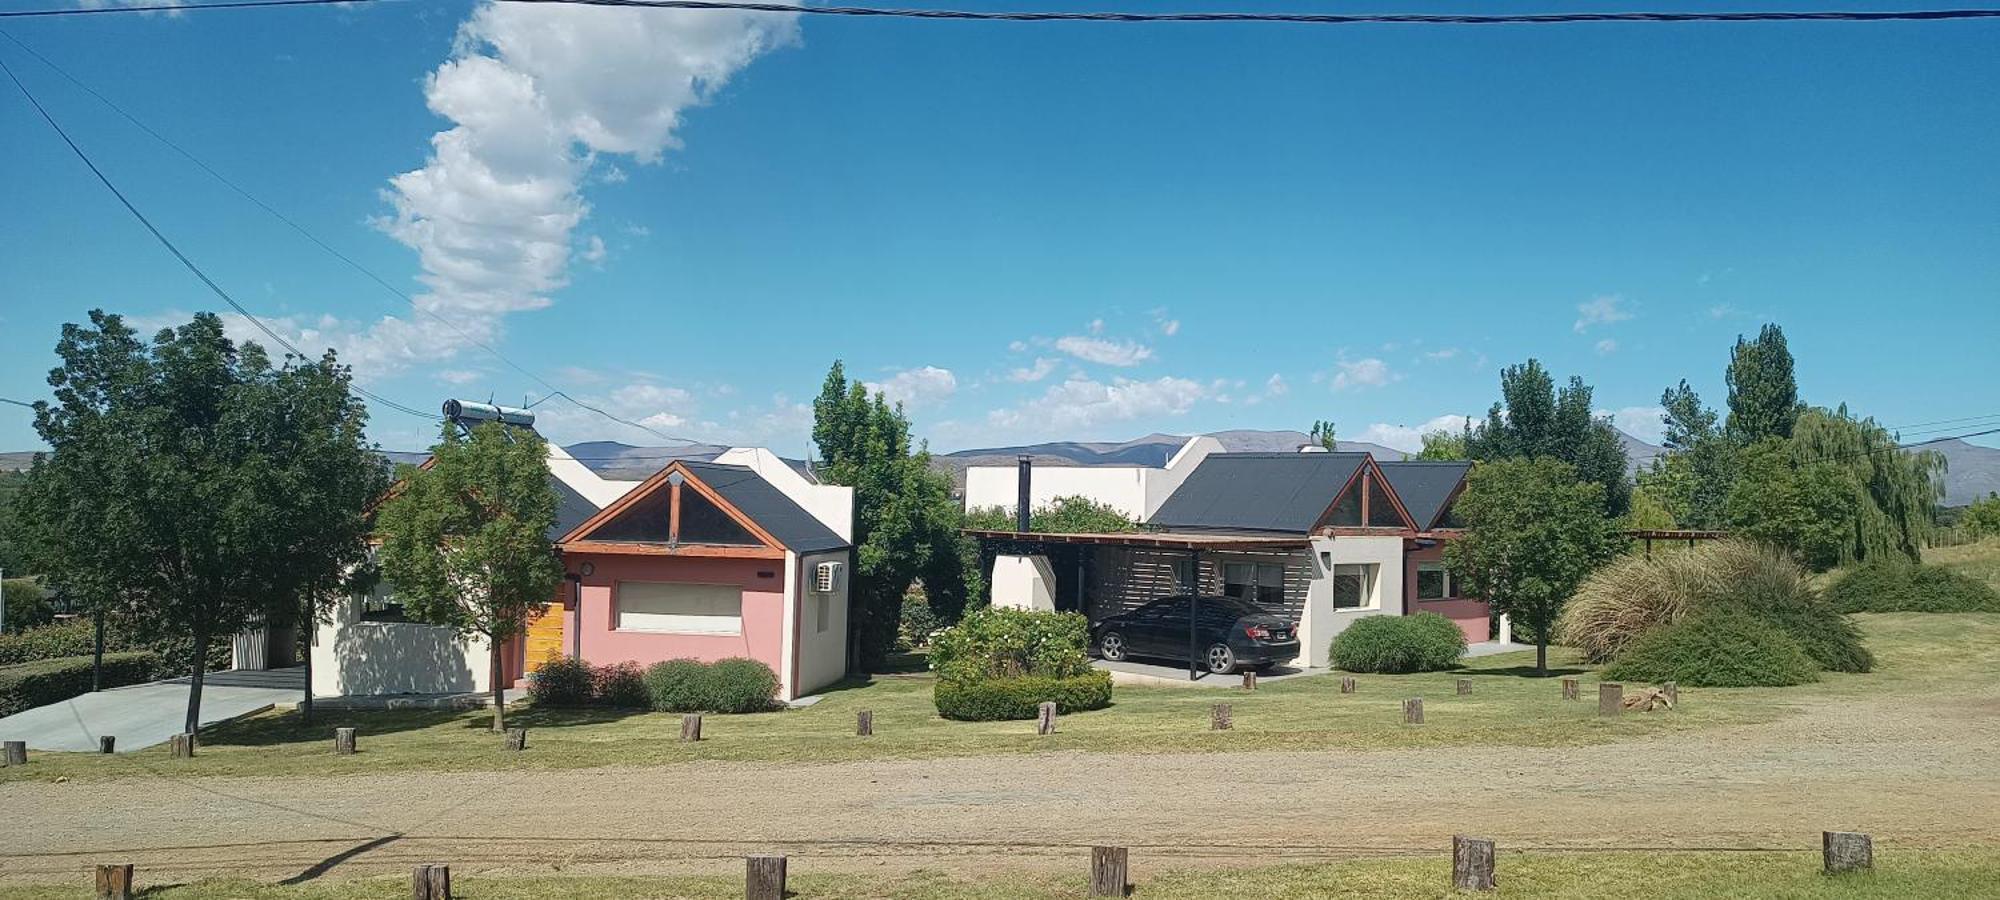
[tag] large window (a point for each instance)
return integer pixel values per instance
(679, 608)
(1434, 582)
(1354, 586)
(1259, 583)
(381, 605)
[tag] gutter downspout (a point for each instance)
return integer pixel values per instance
(1026, 467)
(576, 633)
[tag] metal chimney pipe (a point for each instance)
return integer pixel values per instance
(1026, 466)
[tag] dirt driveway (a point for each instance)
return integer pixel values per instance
(1912, 773)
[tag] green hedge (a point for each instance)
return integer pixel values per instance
(734, 685)
(32, 684)
(1718, 648)
(1391, 645)
(994, 699)
(560, 682)
(1906, 587)
(73, 638)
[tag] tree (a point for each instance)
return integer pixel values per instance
(1687, 421)
(1534, 530)
(1982, 518)
(466, 541)
(1064, 515)
(1694, 477)
(1534, 419)
(1445, 446)
(1322, 434)
(1763, 395)
(1805, 509)
(905, 521)
(171, 500)
(1899, 490)
(11, 557)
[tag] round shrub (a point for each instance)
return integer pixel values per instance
(1000, 642)
(1425, 642)
(1717, 648)
(560, 682)
(678, 685)
(1828, 638)
(1908, 587)
(621, 685)
(740, 685)
(997, 699)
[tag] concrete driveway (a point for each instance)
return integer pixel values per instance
(142, 715)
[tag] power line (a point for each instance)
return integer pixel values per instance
(17, 403)
(176, 251)
(1935, 15)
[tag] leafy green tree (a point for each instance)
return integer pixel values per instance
(1534, 530)
(1322, 434)
(11, 557)
(1693, 478)
(27, 604)
(1982, 518)
(1065, 515)
(1899, 490)
(465, 542)
(906, 524)
(1534, 419)
(1805, 509)
(1445, 446)
(1763, 394)
(171, 502)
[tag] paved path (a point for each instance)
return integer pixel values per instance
(143, 715)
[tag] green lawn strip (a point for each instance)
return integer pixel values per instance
(1619, 875)
(1979, 560)
(1923, 656)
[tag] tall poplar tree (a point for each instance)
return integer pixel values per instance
(1763, 394)
(1535, 419)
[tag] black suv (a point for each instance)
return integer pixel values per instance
(1229, 634)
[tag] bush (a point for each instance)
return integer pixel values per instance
(1716, 648)
(1425, 642)
(29, 605)
(1908, 587)
(678, 685)
(620, 685)
(996, 699)
(739, 685)
(919, 622)
(72, 638)
(998, 642)
(562, 682)
(1827, 637)
(38, 683)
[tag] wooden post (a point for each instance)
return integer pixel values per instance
(517, 738)
(691, 727)
(420, 883)
(864, 723)
(1347, 685)
(1218, 719)
(763, 878)
(1464, 686)
(1413, 711)
(181, 746)
(1249, 679)
(1672, 691)
(1471, 863)
(1847, 851)
(1570, 691)
(1045, 718)
(430, 882)
(1610, 699)
(114, 882)
(106, 744)
(17, 753)
(1108, 872)
(343, 741)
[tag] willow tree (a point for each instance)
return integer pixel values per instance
(1899, 489)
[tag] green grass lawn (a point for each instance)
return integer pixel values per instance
(1596, 876)
(1932, 652)
(1979, 560)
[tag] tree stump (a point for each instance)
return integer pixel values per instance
(1672, 691)
(181, 746)
(1471, 863)
(1108, 872)
(864, 723)
(1218, 719)
(517, 738)
(1413, 711)
(1610, 699)
(17, 753)
(1045, 718)
(430, 882)
(1249, 679)
(1847, 851)
(114, 882)
(691, 727)
(1570, 690)
(1347, 685)
(764, 877)
(1464, 686)
(343, 741)
(107, 744)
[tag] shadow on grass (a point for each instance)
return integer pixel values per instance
(530, 716)
(1525, 672)
(290, 727)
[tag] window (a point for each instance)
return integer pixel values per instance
(1260, 583)
(678, 608)
(1354, 586)
(1434, 582)
(821, 605)
(380, 605)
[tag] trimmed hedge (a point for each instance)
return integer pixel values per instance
(734, 685)
(1908, 587)
(73, 638)
(996, 699)
(1717, 648)
(1392, 645)
(678, 685)
(28, 685)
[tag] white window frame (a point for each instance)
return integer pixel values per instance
(1371, 578)
(1450, 583)
(673, 623)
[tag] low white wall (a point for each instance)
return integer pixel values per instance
(822, 643)
(1136, 491)
(1321, 620)
(351, 657)
(1024, 582)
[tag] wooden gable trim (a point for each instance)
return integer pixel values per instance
(1326, 513)
(1389, 490)
(627, 548)
(580, 535)
(1364, 474)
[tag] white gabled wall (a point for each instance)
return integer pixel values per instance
(1321, 621)
(583, 480)
(1136, 491)
(832, 505)
(1024, 582)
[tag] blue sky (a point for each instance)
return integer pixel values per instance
(1027, 232)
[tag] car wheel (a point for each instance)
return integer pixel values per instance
(1111, 646)
(1221, 660)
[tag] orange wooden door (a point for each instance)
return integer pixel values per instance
(545, 636)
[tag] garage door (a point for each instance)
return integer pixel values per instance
(679, 608)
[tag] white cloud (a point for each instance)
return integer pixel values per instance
(1102, 351)
(1441, 355)
(1362, 373)
(1603, 310)
(459, 376)
(1096, 326)
(1276, 386)
(1607, 347)
(917, 387)
(1170, 327)
(1083, 402)
(594, 252)
(1043, 368)
(1642, 422)
(1406, 438)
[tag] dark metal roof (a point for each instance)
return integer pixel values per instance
(767, 506)
(572, 509)
(1164, 540)
(1284, 492)
(1424, 486)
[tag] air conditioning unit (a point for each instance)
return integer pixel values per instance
(824, 576)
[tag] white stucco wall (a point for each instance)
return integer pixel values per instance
(1136, 491)
(1024, 582)
(832, 505)
(822, 651)
(1321, 621)
(353, 657)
